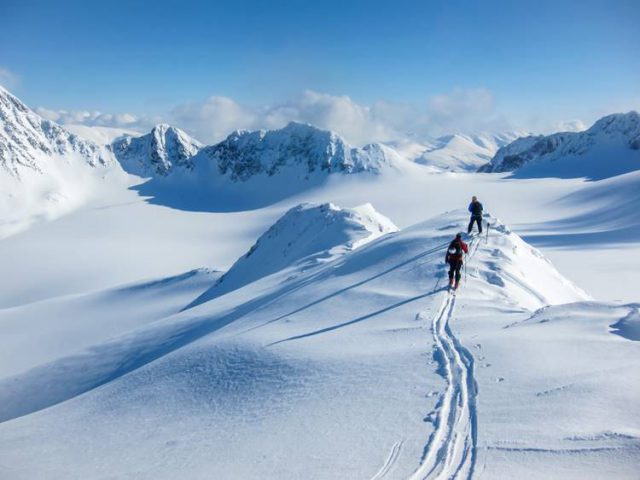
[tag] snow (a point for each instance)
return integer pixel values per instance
(45, 171)
(461, 152)
(347, 347)
(297, 146)
(141, 334)
(157, 153)
(629, 326)
(307, 233)
(610, 147)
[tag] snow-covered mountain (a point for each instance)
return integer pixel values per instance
(159, 152)
(28, 142)
(45, 170)
(298, 148)
(305, 236)
(460, 152)
(610, 147)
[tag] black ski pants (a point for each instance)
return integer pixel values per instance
(454, 270)
(478, 220)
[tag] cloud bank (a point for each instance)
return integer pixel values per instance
(211, 120)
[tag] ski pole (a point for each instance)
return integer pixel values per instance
(465, 271)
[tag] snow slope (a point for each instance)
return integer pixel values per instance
(45, 171)
(462, 152)
(65, 324)
(361, 366)
(304, 236)
(608, 148)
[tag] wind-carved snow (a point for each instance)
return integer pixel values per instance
(305, 236)
(159, 152)
(301, 147)
(610, 147)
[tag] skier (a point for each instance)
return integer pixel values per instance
(455, 258)
(475, 207)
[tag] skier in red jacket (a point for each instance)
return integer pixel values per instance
(455, 258)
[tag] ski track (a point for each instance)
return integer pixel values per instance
(451, 450)
(393, 456)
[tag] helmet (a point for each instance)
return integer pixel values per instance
(458, 235)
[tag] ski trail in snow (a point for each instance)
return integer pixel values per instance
(451, 450)
(393, 456)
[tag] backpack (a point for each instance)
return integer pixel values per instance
(455, 249)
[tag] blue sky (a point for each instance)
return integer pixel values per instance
(539, 62)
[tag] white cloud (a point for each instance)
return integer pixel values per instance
(8, 79)
(569, 126)
(461, 110)
(214, 118)
(95, 118)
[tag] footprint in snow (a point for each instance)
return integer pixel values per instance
(429, 418)
(499, 379)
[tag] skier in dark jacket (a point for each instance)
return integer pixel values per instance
(455, 258)
(475, 207)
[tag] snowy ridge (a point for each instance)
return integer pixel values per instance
(305, 236)
(29, 142)
(370, 333)
(610, 147)
(159, 152)
(301, 147)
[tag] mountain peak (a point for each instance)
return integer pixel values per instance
(625, 123)
(301, 148)
(28, 141)
(158, 152)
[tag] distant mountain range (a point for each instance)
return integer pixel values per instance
(52, 158)
(610, 147)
